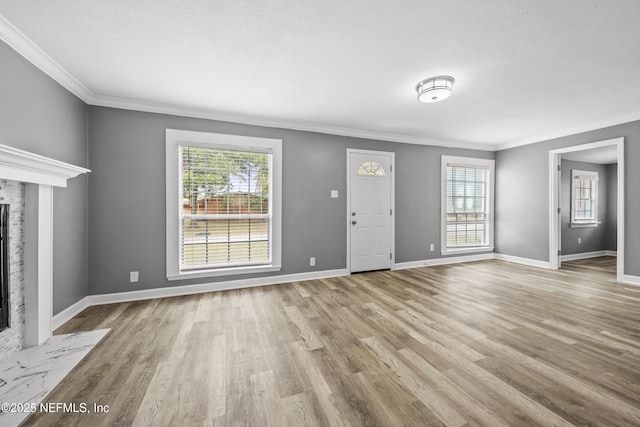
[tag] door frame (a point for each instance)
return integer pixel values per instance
(554, 193)
(392, 156)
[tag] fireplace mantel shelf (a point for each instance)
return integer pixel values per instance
(40, 175)
(23, 166)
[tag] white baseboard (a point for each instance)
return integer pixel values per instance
(409, 264)
(585, 255)
(631, 280)
(458, 259)
(173, 291)
(69, 313)
(525, 261)
(442, 261)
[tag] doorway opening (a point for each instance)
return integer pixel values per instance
(586, 216)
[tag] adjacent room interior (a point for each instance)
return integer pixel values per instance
(333, 213)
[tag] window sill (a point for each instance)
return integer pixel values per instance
(455, 251)
(584, 225)
(222, 272)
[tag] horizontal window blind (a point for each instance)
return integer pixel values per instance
(584, 200)
(468, 219)
(226, 211)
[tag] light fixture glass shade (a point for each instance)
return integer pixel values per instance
(435, 89)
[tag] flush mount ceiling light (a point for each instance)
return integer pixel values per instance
(435, 89)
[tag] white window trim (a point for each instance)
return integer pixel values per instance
(468, 162)
(582, 223)
(175, 138)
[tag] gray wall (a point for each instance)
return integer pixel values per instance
(593, 238)
(127, 197)
(522, 224)
(39, 115)
(611, 239)
(126, 190)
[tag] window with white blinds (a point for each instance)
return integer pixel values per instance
(226, 208)
(467, 204)
(223, 204)
(584, 198)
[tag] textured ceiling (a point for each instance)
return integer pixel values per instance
(524, 70)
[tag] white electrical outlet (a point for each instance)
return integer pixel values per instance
(432, 247)
(133, 276)
(312, 262)
(579, 240)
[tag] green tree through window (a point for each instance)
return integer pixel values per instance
(226, 215)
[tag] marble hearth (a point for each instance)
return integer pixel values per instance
(27, 377)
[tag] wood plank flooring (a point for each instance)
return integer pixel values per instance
(488, 343)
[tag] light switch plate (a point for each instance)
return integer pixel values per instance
(334, 194)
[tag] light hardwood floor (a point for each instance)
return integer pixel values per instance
(488, 343)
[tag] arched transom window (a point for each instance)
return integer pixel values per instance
(371, 168)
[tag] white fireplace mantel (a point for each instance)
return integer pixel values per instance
(40, 174)
(23, 166)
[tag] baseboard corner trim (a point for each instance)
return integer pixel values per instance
(69, 313)
(586, 255)
(525, 261)
(409, 264)
(627, 279)
(442, 261)
(459, 259)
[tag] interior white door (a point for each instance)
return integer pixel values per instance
(370, 211)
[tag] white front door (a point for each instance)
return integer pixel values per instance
(369, 216)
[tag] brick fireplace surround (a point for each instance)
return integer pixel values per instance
(40, 175)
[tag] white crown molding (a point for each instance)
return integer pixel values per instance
(32, 53)
(149, 107)
(23, 166)
(574, 130)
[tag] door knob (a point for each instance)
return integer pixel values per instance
(353, 222)
(353, 214)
